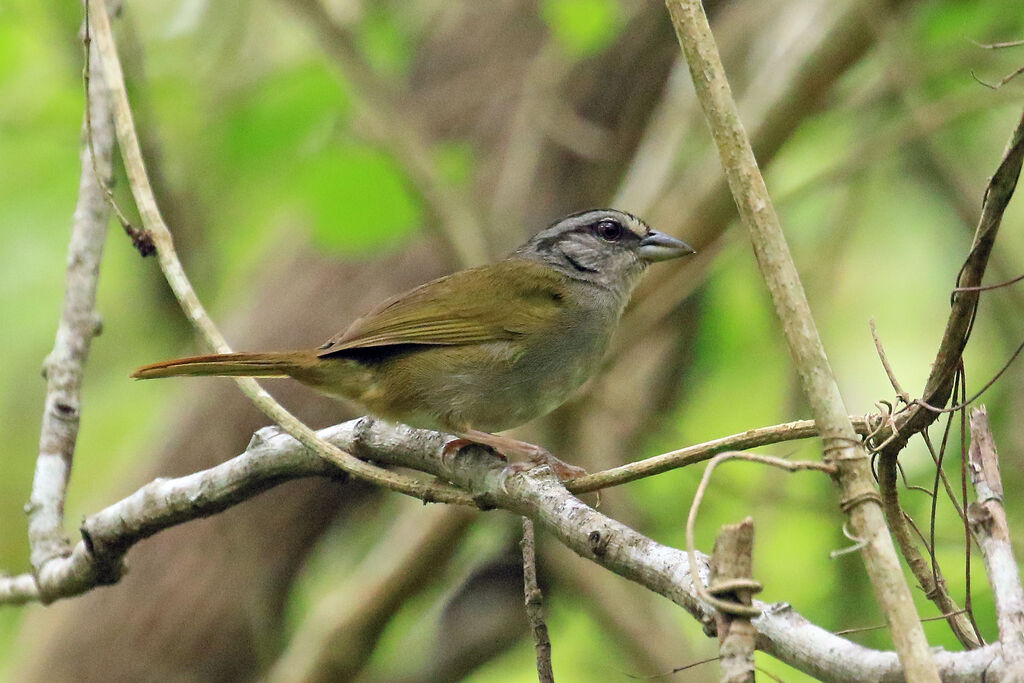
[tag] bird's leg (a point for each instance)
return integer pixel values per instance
(507, 446)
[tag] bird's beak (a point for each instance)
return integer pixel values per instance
(657, 246)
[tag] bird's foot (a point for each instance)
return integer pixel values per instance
(508, 447)
(563, 470)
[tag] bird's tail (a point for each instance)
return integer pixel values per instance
(272, 364)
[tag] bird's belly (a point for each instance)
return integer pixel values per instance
(488, 387)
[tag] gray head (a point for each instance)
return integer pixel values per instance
(602, 246)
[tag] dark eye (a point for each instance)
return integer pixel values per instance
(609, 231)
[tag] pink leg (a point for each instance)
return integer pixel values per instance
(507, 446)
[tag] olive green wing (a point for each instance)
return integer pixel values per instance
(500, 301)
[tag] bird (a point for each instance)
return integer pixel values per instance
(481, 350)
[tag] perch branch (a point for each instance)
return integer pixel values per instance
(193, 308)
(274, 457)
(79, 323)
(860, 499)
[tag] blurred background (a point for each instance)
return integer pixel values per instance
(313, 157)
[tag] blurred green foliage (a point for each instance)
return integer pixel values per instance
(254, 128)
(583, 27)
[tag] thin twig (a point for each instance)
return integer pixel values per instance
(685, 667)
(1002, 81)
(752, 438)
(904, 396)
(879, 627)
(698, 496)
(966, 403)
(998, 46)
(989, 288)
(79, 323)
(945, 480)
(964, 455)
(141, 240)
(193, 308)
(535, 605)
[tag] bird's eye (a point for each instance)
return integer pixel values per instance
(609, 231)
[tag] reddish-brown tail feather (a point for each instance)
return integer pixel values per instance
(273, 364)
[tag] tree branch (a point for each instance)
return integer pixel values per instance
(964, 301)
(752, 438)
(987, 517)
(921, 413)
(63, 367)
(274, 457)
(535, 605)
(732, 581)
(842, 447)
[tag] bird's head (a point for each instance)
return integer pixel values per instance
(602, 246)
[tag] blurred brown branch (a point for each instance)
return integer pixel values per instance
(395, 130)
(339, 635)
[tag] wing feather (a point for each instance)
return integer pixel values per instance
(500, 301)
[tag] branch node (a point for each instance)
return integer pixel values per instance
(141, 239)
(598, 542)
(262, 436)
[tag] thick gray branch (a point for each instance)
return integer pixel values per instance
(273, 457)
